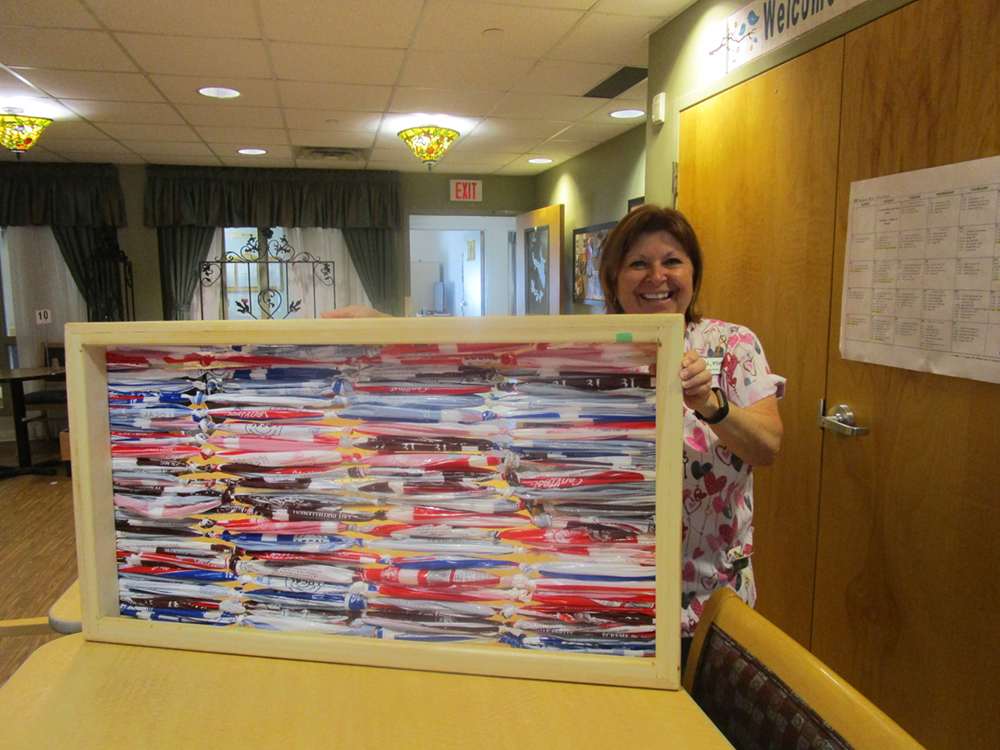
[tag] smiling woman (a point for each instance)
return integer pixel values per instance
(651, 263)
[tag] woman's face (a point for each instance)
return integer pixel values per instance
(656, 276)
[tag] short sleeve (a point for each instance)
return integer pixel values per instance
(746, 374)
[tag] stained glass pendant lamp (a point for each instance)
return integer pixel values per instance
(428, 142)
(18, 132)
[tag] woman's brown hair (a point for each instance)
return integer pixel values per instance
(638, 222)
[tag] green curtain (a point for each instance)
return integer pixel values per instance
(245, 197)
(374, 257)
(96, 263)
(182, 251)
(364, 204)
(68, 195)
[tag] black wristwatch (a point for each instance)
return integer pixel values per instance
(723, 411)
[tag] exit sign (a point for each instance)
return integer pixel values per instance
(467, 190)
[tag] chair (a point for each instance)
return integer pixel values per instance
(49, 401)
(764, 690)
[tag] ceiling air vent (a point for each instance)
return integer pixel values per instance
(331, 153)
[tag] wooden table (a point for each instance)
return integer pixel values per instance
(66, 616)
(16, 379)
(80, 694)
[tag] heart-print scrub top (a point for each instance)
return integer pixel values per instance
(718, 486)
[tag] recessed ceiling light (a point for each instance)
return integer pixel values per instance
(540, 160)
(218, 92)
(627, 114)
(252, 151)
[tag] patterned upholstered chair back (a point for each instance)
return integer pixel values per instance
(765, 692)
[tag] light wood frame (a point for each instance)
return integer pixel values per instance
(86, 344)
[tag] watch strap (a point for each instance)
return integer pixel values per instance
(721, 413)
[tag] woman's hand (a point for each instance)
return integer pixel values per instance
(752, 433)
(696, 380)
(354, 311)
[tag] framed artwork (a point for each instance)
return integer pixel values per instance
(636, 202)
(587, 243)
(301, 497)
(538, 262)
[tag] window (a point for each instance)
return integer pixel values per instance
(254, 274)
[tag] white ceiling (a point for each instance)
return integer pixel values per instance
(121, 78)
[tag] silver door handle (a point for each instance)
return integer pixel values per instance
(839, 419)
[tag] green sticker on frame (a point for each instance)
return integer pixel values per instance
(623, 338)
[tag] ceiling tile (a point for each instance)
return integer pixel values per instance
(234, 19)
(331, 139)
(124, 112)
(522, 167)
(484, 158)
(565, 77)
(232, 117)
(567, 4)
(459, 103)
(592, 132)
(52, 13)
(255, 92)
(319, 62)
(637, 93)
(373, 23)
(36, 154)
(560, 150)
(393, 159)
(88, 158)
(105, 147)
(448, 70)
(240, 160)
(134, 132)
(526, 32)
(461, 168)
(198, 56)
(192, 161)
(499, 145)
(11, 86)
(496, 127)
(338, 96)
(603, 115)
(538, 107)
(249, 137)
(148, 149)
(662, 8)
(72, 130)
(61, 49)
(331, 120)
(328, 164)
(620, 40)
(232, 151)
(112, 87)
(387, 140)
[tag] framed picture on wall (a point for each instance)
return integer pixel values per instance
(636, 202)
(538, 262)
(587, 243)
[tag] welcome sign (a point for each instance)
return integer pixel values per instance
(763, 25)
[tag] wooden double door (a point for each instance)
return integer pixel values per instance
(876, 552)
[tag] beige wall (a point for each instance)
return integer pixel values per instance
(138, 242)
(595, 187)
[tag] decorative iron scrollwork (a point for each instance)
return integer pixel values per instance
(269, 300)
